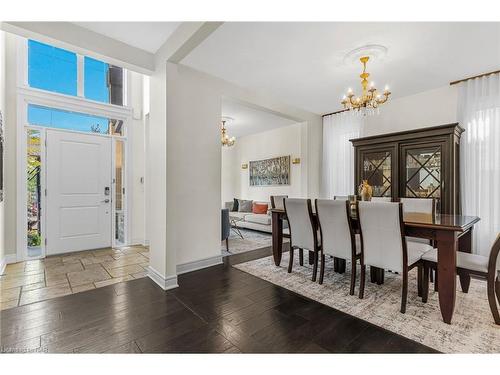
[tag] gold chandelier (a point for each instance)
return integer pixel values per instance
(369, 99)
(225, 139)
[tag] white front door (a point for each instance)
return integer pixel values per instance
(78, 192)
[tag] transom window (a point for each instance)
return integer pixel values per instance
(51, 68)
(59, 119)
(57, 70)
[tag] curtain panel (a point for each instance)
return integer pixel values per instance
(479, 115)
(338, 153)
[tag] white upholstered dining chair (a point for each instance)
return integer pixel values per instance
(381, 199)
(420, 205)
(303, 231)
(337, 236)
(472, 264)
(383, 243)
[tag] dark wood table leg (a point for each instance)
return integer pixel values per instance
(311, 257)
(277, 232)
(341, 265)
(335, 264)
(373, 274)
(380, 276)
(447, 244)
(465, 245)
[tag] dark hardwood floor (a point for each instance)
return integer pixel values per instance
(215, 310)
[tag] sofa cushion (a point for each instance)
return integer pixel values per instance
(238, 215)
(263, 219)
(244, 205)
(259, 208)
(235, 205)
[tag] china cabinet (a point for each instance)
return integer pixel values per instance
(420, 163)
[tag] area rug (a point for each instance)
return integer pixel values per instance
(472, 330)
(252, 240)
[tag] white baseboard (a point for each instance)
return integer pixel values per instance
(7, 259)
(164, 283)
(139, 241)
(199, 264)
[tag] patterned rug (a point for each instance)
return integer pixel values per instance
(472, 330)
(251, 240)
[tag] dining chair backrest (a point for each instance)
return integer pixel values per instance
(336, 232)
(381, 199)
(277, 201)
(494, 260)
(420, 205)
(341, 198)
(383, 244)
(300, 222)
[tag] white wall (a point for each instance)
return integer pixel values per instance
(190, 164)
(230, 173)
(277, 142)
(429, 108)
(2, 108)
(137, 161)
(10, 160)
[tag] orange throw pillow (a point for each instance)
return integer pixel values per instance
(259, 208)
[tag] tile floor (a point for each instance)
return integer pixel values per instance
(37, 280)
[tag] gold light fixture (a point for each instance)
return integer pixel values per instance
(370, 100)
(225, 139)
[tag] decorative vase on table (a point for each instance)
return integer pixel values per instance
(365, 191)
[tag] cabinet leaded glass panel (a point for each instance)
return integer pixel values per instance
(423, 173)
(377, 170)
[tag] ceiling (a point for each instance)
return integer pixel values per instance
(148, 36)
(248, 120)
(303, 63)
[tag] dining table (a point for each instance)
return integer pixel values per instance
(448, 233)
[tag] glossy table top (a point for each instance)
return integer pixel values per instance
(423, 220)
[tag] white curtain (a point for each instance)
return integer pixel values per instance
(338, 153)
(479, 114)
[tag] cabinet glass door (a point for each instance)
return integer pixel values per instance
(377, 170)
(423, 177)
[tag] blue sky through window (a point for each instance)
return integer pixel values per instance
(95, 86)
(51, 68)
(55, 118)
(55, 69)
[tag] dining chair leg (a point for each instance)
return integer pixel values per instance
(497, 289)
(353, 277)
(404, 294)
(436, 286)
(227, 245)
(431, 275)
(322, 269)
(315, 266)
(290, 263)
(419, 280)
(362, 281)
(492, 298)
(301, 257)
(425, 284)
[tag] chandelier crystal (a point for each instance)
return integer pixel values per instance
(225, 139)
(369, 100)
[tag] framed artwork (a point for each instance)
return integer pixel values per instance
(270, 172)
(1, 156)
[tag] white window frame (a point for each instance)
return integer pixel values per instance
(26, 96)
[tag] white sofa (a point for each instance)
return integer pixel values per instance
(249, 220)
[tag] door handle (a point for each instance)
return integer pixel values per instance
(105, 201)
